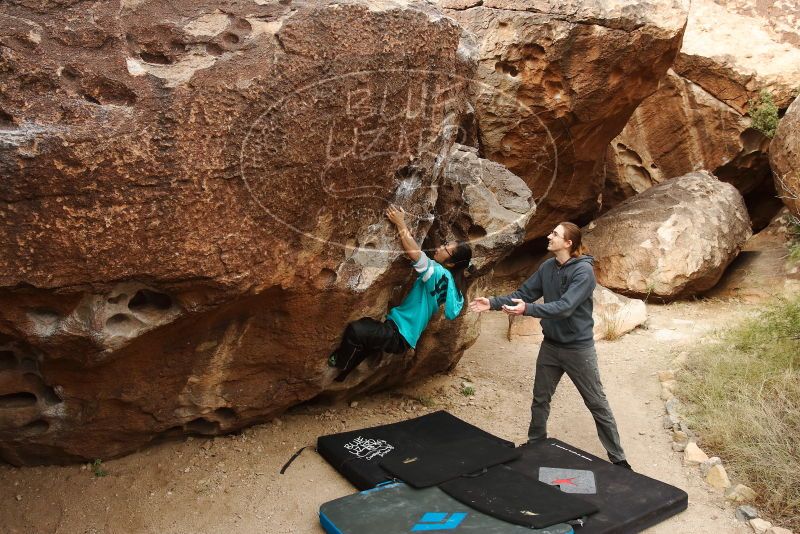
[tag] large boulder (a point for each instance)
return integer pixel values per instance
(558, 81)
(734, 49)
(785, 158)
(495, 204)
(698, 119)
(192, 208)
(672, 241)
(682, 128)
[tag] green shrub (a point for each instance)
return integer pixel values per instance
(764, 113)
(426, 401)
(97, 468)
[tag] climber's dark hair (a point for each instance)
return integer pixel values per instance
(461, 268)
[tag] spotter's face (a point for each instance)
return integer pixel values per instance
(556, 241)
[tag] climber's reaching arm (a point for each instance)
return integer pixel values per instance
(397, 216)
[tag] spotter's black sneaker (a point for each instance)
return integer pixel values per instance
(624, 463)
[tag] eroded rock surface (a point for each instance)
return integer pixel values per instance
(736, 48)
(682, 128)
(674, 240)
(785, 158)
(192, 208)
(698, 119)
(558, 81)
(495, 204)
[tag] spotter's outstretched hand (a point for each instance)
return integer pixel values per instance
(517, 309)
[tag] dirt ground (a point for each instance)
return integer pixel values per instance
(232, 484)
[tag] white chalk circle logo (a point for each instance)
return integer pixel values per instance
(343, 148)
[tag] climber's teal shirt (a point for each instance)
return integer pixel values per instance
(434, 287)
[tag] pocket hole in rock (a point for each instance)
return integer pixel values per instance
(6, 120)
(226, 414)
(476, 232)
(50, 396)
(122, 325)
(7, 360)
(326, 278)
(35, 428)
(146, 300)
(101, 90)
(201, 425)
(17, 400)
(68, 73)
(507, 68)
(214, 49)
(231, 38)
(243, 25)
(156, 58)
(28, 365)
(117, 299)
(44, 320)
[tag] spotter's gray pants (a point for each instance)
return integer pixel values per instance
(581, 367)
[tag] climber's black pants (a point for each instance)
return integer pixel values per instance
(363, 338)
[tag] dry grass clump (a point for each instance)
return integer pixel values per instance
(743, 398)
(612, 327)
(793, 231)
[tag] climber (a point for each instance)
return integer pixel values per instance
(441, 280)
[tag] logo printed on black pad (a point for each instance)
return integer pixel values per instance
(569, 480)
(368, 448)
(439, 521)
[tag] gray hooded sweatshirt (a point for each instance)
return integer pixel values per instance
(567, 310)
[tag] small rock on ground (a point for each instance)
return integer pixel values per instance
(693, 455)
(746, 512)
(740, 493)
(760, 526)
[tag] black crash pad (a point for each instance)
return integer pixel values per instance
(357, 454)
(627, 501)
(446, 461)
(517, 498)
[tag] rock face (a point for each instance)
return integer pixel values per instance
(614, 315)
(494, 204)
(192, 208)
(736, 48)
(672, 241)
(559, 80)
(785, 158)
(682, 128)
(697, 120)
